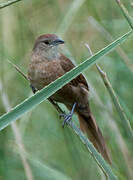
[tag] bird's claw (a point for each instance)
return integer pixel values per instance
(34, 90)
(67, 117)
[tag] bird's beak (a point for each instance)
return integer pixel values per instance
(57, 42)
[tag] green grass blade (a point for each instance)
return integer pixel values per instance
(125, 13)
(99, 159)
(17, 135)
(70, 15)
(8, 3)
(45, 171)
(39, 97)
(120, 111)
(110, 38)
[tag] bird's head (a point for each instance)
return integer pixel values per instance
(47, 45)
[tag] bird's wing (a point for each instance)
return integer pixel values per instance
(67, 65)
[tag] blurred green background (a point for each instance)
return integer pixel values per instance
(49, 151)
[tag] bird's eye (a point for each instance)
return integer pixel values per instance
(46, 42)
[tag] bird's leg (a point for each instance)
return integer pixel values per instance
(68, 117)
(34, 90)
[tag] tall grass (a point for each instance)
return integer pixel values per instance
(53, 152)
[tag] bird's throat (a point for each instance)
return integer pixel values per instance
(51, 54)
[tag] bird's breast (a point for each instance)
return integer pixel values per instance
(43, 73)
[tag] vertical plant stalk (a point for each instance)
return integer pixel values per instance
(17, 135)
(115, 100)
(125, 13)
(68, 18)
(123, 147)
(8, 3)
(114, 127)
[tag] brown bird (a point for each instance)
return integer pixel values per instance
(47, 64)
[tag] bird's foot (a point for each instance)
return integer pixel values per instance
(34, 90)
(68, 117)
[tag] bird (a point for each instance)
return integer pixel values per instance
(48, 64)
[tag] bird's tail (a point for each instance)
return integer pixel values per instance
(88, 125)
